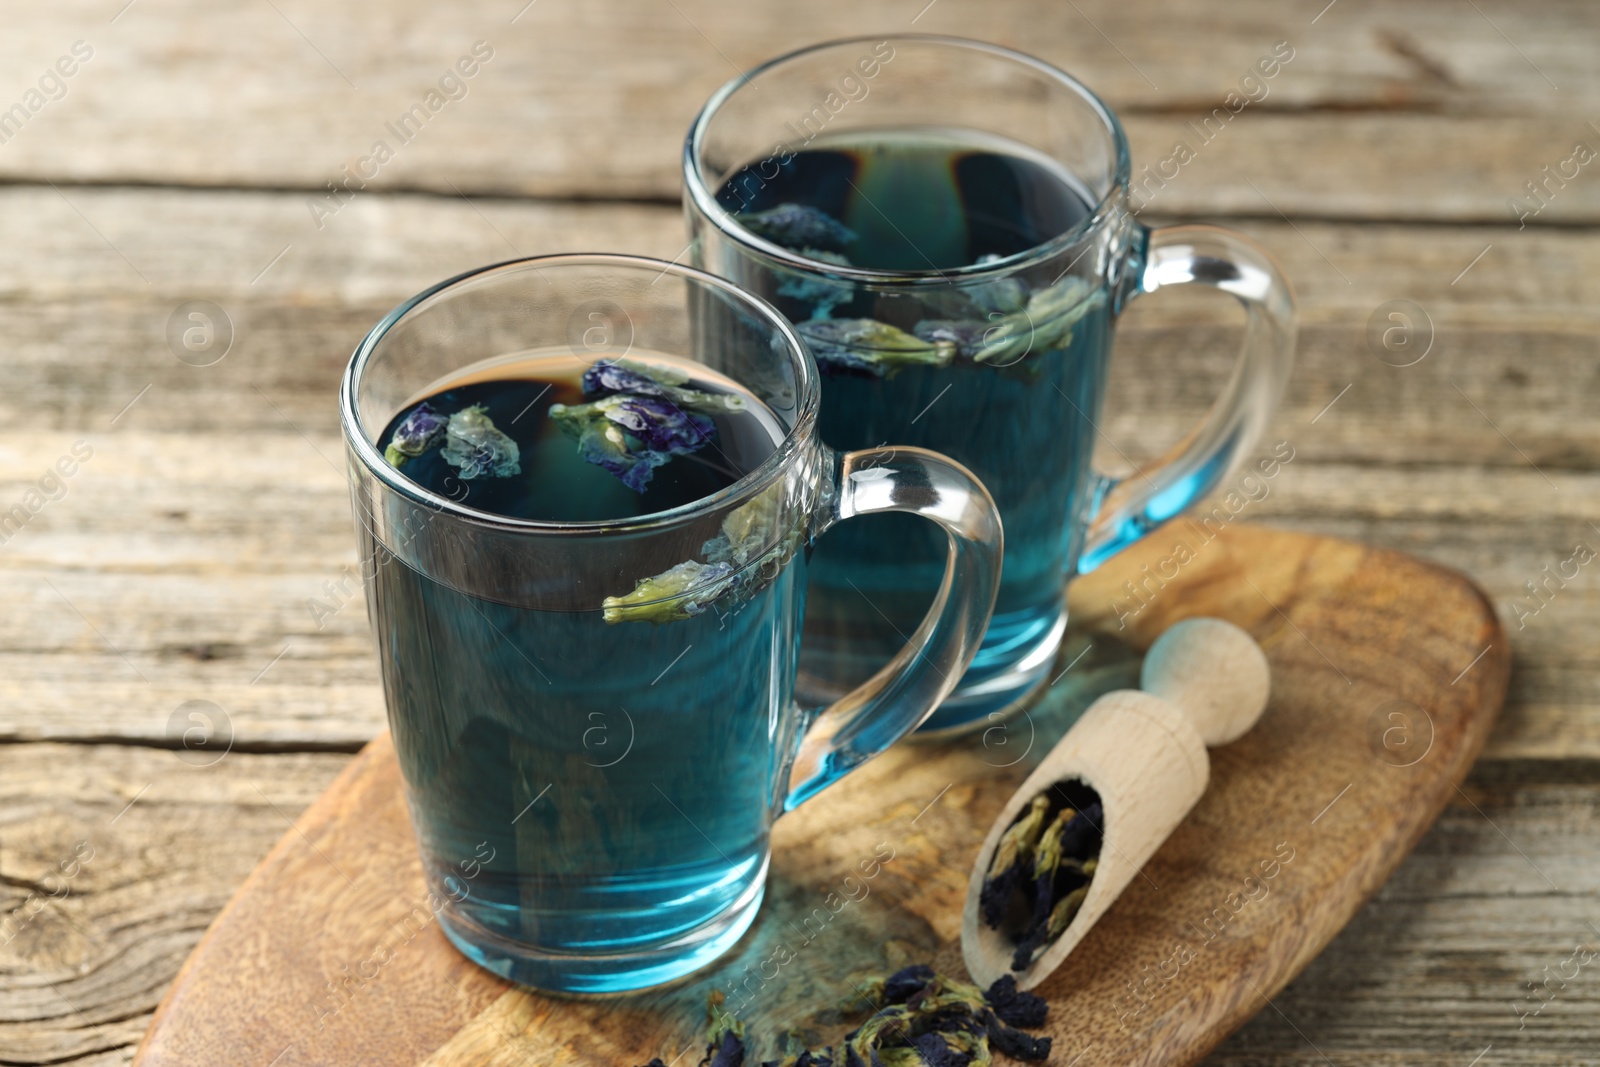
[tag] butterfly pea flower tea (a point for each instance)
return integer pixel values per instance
(955, 247)
(588, 572)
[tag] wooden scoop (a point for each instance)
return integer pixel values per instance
(1205, 682)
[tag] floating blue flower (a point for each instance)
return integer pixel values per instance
(641, 379)
(1042, 323)
(871, 347)
(416, 433)
(968, 337)
(821, 294)
(799, 226)
(630, 436)
(475, 446)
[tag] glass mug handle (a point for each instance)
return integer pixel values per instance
(837, 739)
(1223, 259)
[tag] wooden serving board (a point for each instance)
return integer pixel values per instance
(1387, 675)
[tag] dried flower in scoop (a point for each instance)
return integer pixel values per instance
(799, 226)
(1012, 856)
(681, 592)
(475, 446)
(417, 433)
(871, 347)
(1034, 897)
(1056, 867)
(630, 436)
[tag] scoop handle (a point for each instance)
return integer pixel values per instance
(1214, 671)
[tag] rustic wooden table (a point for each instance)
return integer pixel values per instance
(184, 662)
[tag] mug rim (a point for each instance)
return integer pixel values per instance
(705, 200)
(753, 482)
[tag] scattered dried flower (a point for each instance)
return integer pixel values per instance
(919, 1019)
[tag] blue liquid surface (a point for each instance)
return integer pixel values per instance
(587, 793)
(921, 200)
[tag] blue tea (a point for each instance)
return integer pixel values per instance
(1004, 376)
(594, 782)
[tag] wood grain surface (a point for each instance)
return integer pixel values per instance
(1387, 674)
(182, 560)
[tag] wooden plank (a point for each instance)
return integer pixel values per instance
(201, 560)
(143, 250)
(163, 845)
(176, 93)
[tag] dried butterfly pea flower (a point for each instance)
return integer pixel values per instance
(1039, 937)
(940, 1050)
(917, 1002)
(919, 1018)
(1011, 857)
(417, 433)
(1046, 858)
(1016, 1043)
(905, 983)
(667, 383)
(630, 436)
(724, 1035)
(796, 1054)
(728, 1052)
(799, 226)
(871, 347)
(1049, 886)
(680, 592)
(1052, 911)
(1014, 1006)
(475, 446)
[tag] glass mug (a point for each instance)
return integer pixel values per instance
(923, 149)
(593, 798)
